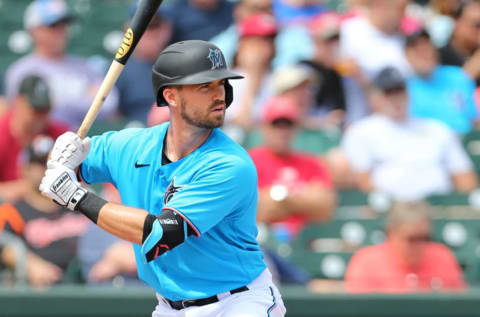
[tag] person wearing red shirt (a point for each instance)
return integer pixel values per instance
(27, 118)
(294, 187)
(407, 261)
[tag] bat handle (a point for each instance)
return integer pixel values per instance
(112, 75)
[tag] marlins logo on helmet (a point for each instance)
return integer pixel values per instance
(215, 56)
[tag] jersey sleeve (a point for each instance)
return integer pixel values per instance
(95, 168)
(218, 190)
(102, 164)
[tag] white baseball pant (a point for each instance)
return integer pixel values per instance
(262, 299)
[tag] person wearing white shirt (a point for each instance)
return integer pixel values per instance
(406, 158)
(372, 41)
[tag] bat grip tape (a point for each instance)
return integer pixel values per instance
(90, 206)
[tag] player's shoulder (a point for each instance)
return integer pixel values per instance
(220, 149)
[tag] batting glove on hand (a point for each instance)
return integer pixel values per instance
(69, 150)
(60, 184)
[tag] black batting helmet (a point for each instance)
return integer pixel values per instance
(189, 63)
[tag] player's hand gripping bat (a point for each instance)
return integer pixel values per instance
(145, 11)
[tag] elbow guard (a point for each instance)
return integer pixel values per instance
(175, 231)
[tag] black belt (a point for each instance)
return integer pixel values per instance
(181, 304)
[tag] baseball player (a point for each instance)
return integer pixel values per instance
(189, 193)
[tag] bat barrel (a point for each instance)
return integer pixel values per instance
(142, 17)
(144, 14)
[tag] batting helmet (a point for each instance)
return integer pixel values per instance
(189, 63)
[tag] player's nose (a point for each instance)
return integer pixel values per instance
(219, 92)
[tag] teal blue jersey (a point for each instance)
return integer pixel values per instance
(214, 189)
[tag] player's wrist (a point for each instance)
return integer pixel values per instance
(90, 205)
(76, 197)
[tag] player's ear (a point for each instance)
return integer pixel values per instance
(170, 96)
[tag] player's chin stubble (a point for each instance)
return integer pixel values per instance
(207, 120)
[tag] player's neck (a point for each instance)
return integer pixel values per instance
(181, 141)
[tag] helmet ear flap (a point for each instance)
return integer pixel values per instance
(228, 93)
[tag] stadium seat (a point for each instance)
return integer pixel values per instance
(324, 265)
(452, 199)
(324, 249)
(462, 236)
(357, 204)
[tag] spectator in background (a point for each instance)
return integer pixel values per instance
(27, 117)
(72, 83)
(407, 261)
(404, 157)
(103, 257)
(462, 49)
(228, 39)
(294, 188)
(298, 82)
(445, 93)
(355, 8)
(292, 11)
(440, 18)
(134, 84)
(370, 43)
(198, 19)
(256, 49)
(49, 232)
(330, 95)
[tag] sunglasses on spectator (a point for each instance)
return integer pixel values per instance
(418, 238)
(395, 90)
(282, 123)
(474, 24)
(57, 24)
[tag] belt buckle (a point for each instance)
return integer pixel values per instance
(186, 302)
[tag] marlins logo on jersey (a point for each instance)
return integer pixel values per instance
(171, 190)
(215, 56)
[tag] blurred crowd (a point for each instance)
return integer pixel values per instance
(372, 96)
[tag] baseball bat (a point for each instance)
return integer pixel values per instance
(145, 11)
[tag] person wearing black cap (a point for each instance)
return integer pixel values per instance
(28, 116)
(189, 193)
(48, 231)
(441, 92)
(404, 157)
